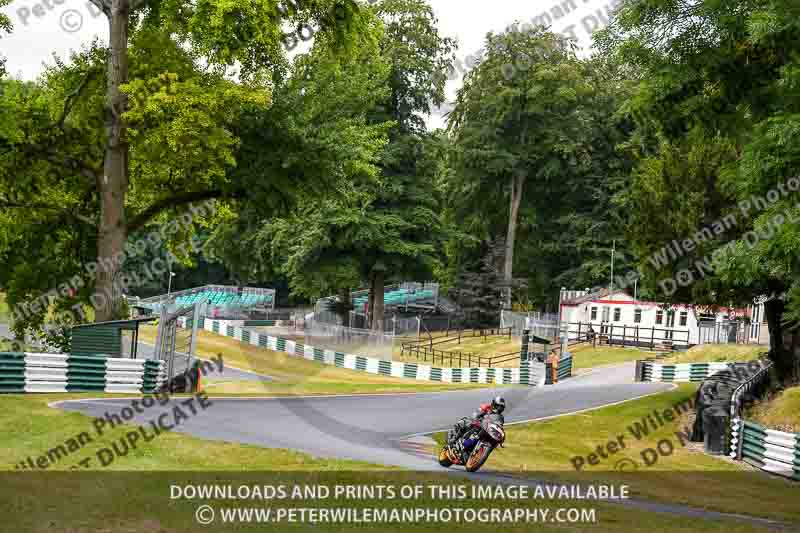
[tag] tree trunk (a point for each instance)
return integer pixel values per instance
(344, 305)
(370, 302)
(114, 183)
(513, 215)
(377, 290)
(781, 352)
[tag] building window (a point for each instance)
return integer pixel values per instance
(606, 313)
(671, 318)
(684, 316)
(617, 314)
(594, 313)
(637, 316)
(659, 316)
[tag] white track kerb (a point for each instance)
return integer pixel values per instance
(528, 373)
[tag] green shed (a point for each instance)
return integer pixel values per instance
(115, 338)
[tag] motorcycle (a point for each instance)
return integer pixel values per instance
(473, 448)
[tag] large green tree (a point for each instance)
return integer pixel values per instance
(190, 134)
(333, 135)
(715, 110)
(373, 226)
(516, 129)
(101, 86)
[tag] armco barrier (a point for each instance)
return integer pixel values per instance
(48, 372)
(772, 451)
(684, 372)
(528, 373)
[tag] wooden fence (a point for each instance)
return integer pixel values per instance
(424, 349)
(624, 335)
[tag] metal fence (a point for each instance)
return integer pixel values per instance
(540, 324)
(727, 332)
(394, 324)
(349, 340)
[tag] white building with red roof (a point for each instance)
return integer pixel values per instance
(633, 321)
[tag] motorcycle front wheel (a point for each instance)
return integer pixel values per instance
(478, 457)
(444, 458)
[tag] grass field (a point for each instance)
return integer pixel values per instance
(79, 502)
(782, 412)
(584, 356)
(549, 449)
(719, 353)
(483, 347)
(37, 428)
(295, 375)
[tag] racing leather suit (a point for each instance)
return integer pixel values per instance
(465, 423)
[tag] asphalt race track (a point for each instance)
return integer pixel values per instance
(376, 428)
(388, 429)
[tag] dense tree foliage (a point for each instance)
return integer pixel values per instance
(716, 109)
(675, 144)
(377, 222)
(515, 123)
(145, 125)
(5, 26)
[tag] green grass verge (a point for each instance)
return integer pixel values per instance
(685, 475)
(483, 347)
(782, 412)
(71, 501)
(719, 353)
(36, 428)
(296, 375)
(584, 356)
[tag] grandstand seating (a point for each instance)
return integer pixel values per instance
(396, 298)
(224, 299)
(217, 296)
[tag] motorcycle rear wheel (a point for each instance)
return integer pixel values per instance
(444, 458)
(478, 457)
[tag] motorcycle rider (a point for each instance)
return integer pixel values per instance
(496, 407)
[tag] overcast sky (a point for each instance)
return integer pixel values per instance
(46, 27)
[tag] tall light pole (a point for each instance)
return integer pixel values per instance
(169, 283)
(613, 249)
